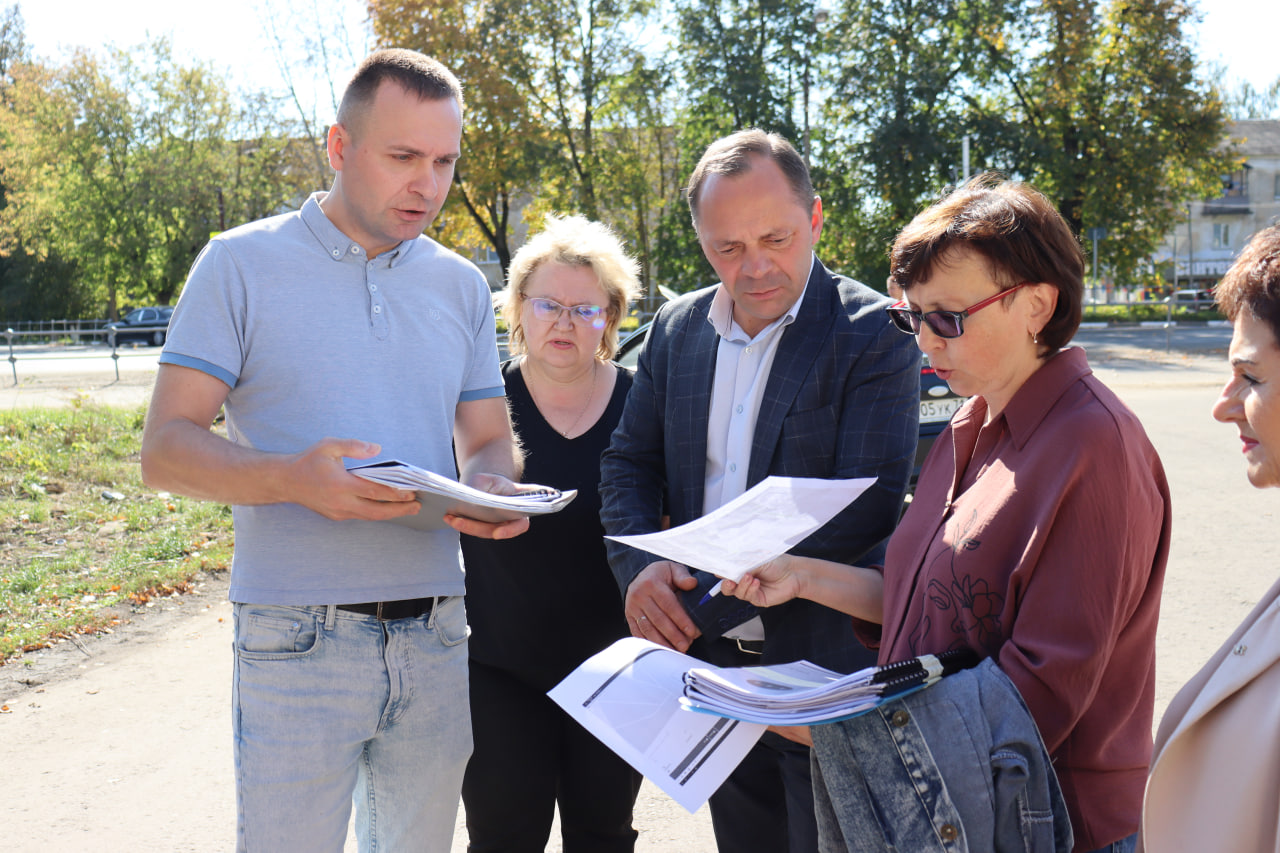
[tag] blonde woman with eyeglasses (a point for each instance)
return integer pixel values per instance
(540, 607)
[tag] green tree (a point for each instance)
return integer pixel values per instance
(1244, 102)
(580, 61)
(32, 284)
(123, 166)
(505, 147)
(634, 179)
(13, 41)
(1101, 107)
(745, 63)
(564, 111)
(639, 183)
(895, 115)
(1098, 104)
(741, 63)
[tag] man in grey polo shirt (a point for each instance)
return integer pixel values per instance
(341, 331)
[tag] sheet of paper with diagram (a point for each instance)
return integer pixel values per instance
(628, 696)
(640, 700)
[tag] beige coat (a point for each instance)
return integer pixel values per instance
(1215, 777)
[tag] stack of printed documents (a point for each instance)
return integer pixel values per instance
(636, 697)
(803, 693)
(440, 495)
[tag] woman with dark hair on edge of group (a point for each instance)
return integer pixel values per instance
(1215, 779)
(1037, 536)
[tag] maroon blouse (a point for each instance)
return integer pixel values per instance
(1041, 539)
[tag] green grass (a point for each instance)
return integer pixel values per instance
(80, 534)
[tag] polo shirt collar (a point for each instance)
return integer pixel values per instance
(339, 246)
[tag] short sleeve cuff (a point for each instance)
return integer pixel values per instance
(201, 365)
(481, 394)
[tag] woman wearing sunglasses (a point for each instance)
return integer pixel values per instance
(539, 608)
(1039, 529)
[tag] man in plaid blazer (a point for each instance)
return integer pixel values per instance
(781, 368)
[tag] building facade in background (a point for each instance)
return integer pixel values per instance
(1202, 247)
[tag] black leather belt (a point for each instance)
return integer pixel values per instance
(410, 608)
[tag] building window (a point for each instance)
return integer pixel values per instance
(1221, 235)
(485, 255)
(1236, 184)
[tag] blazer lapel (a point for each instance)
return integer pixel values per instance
(689, 400)
(1230, 671)
(792, 363)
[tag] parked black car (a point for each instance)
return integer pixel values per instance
(937, 401)
(146, 325)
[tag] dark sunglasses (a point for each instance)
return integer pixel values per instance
(944, 324)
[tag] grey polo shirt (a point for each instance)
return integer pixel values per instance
(316, 340)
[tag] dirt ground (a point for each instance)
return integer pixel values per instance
(121, 742)
(133, 388)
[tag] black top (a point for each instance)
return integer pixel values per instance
(545, 601)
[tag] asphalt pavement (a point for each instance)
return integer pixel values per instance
(125, 745)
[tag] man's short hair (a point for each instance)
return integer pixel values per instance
(417, 74)
(732, 155)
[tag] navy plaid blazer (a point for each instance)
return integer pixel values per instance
(842, 400)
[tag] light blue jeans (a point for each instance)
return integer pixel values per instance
(1128, 844)
(958, 767)
(330, 706)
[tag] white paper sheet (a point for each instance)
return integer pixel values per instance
(762, 523)
(440, 495)
(628, 696)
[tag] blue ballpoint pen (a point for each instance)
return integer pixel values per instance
(711, 593)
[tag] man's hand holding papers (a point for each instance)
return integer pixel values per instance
(441, 496)
(758, 526)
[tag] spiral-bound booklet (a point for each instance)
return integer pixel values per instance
(802, 693)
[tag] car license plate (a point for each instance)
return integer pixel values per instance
(933, 411)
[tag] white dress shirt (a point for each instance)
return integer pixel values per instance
(742, 371)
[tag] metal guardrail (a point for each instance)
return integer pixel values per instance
(10, 334)
(55, 329)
